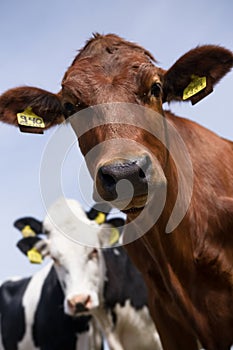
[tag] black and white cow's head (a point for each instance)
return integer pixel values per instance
(80, 268)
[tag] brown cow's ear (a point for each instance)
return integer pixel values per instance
(31, 108)
(194, 75)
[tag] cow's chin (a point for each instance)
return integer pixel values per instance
(82, 313)
(135, 206)
(133, 211)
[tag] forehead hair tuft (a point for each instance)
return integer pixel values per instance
(110, 43)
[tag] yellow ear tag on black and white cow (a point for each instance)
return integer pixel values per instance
(30, 119)
(197, 84)
(114, 236)
(27, 231)
(34, 256)
(100, 218)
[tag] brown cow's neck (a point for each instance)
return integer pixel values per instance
(195, 229)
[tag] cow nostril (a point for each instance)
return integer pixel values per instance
(80, 307)
(109, 180)
(106, 178)
(141, 174)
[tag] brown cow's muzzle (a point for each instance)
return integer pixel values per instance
(136, 171)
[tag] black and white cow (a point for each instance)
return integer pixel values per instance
(95, 282)
(32, 316)
(31, 309)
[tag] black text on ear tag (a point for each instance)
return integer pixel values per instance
(30, 122)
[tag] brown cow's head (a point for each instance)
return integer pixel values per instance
(109, 70)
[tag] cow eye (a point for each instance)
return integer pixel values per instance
(69, 109)
(93, 254)
(156, 89)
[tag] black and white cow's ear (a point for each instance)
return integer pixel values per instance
(27, 246)
(35, 248)
(31, 108)
(99, 212)
(116, 230)
(29, 226)
(43, 247)
(117, 222)
(110, 232)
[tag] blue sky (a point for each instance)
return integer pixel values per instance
(38, 41)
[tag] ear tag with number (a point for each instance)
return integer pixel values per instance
(100, 218)
(115, 235)
(27, 231)
(30, 119)
(197, 84)
(34, 256)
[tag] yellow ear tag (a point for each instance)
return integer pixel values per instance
(28, 118)
(197, 84)
(34, 256)
(115, 235)
(27, 231)
(100, 218)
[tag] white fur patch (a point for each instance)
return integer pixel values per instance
(67, 217)
(134, 329)
(116, 252)
(30, 302)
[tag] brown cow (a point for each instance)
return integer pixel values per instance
(189, 272)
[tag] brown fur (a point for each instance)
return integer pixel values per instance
(189, 273)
